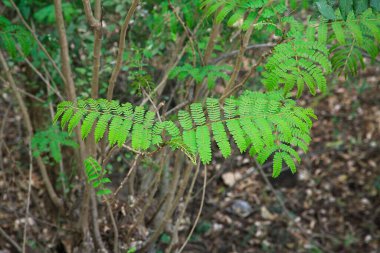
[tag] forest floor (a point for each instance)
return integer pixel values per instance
(332, 204)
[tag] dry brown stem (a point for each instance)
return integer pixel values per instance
(119, 58)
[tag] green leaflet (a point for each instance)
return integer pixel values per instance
(277, 164)
(345, 7)
(326, 10)
(88, 122)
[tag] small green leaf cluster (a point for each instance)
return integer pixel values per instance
(245, 12)
(12, 35)
(346, 7)
(211, 72)
(50, 141)
(348, 39)
(96, 175)
(263, 124)
(354, 37)
(297, 63)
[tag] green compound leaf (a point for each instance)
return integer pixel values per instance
(265, 124)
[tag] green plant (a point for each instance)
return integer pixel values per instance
(296, 63)
(50, 141)
(271, 123)
(96, 175)
(347, 40)
(326, 8)
(266, 123)
(168, 52)
(258, 13)
(211, 72)
(12, 36)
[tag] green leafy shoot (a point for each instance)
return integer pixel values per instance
(296, 63)
(211, 72)
(50, 141)
(12, 36)
(96, 175)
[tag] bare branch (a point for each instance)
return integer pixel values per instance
(182, 186)
(160, 87)
(10, 240)
(119, 58)
(97, 52)
(199, 211)
(28, 197)
(189, 34)
(39, 74)
(122, 184)
(37, 40)
(65, 59)
(235, 52)
(243, 46)
(94, 210)
(93, 21)
(245, 79)
(28, 124)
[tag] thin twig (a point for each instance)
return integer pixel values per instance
(114, 226)
(176, 108)
(23, 91)
(215, 30)
(279, 199)
(235, 52)
(119, 58)
(96, 51)
(122, 184)
(153, 104)
(148, 202)
(40, 45)
(189, 34)
(199, 212)
(28, 125)
(246, 77)
(2, 137)
(39, 74)
(181, 190)
(160, 87)
(28, 198)
(10, 240)
(243, 46)
(182, 211)
(94, 209)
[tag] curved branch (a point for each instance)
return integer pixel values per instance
(119, 58)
